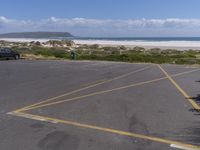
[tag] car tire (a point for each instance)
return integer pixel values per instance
(17, 57)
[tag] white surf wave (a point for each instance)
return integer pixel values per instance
(192, 44)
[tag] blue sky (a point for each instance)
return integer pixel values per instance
(103, 17)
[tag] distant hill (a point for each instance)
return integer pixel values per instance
(36, 35)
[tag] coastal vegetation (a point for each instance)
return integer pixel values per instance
(61, 50)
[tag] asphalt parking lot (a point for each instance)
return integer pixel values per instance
(66, 105)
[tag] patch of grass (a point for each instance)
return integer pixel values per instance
(137, 54)
(45, 52)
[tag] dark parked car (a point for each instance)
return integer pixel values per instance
(7, 53)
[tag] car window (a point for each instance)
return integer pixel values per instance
(7, 50)
(2, 50)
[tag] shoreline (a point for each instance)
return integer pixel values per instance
(178, 45)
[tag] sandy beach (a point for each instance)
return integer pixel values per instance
(179, 45)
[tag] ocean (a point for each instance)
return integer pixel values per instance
(150, 39)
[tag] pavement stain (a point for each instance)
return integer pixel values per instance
(91, 142)
(59, 140)
(192, 134)
(37, 125)
(137, 126)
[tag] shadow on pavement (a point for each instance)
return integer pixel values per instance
(197, 100)
(192, 134)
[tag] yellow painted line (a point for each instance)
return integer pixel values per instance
(103, 81)
(84, 88)
(194, 104)
(93, 94)
(108, 130)
(137, 84)
(156, 139)
(51, 99)
(183, 73)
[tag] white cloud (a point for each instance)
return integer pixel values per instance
(97, 27)
(4, 19)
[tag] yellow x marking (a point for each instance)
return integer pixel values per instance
(21, 112)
